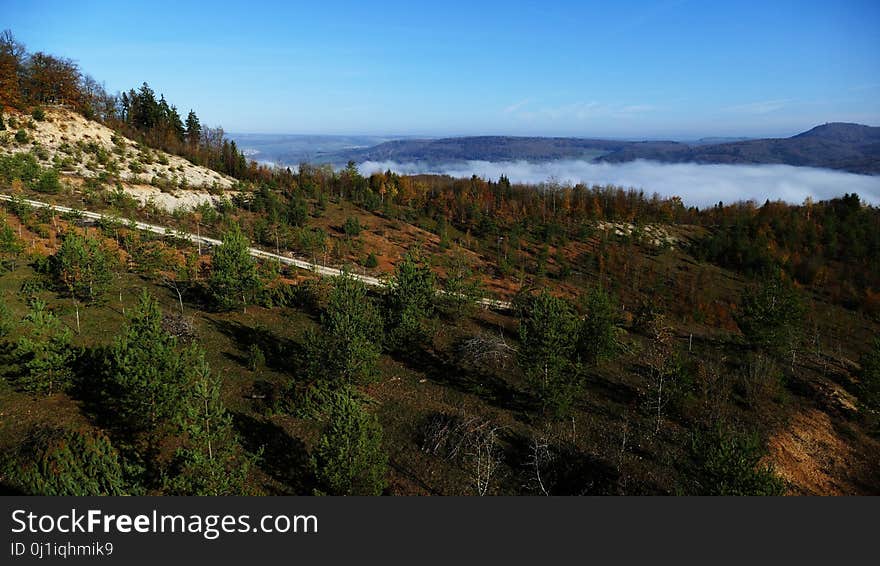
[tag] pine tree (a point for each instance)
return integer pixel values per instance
(770, 315)
(409, 300)
(349, 459)
(66, 463)
(869, 387)
(146, 372)
(548, 335)
(726, 462)
(234, 280)
(211, 462)
(193, 129)
(346, 349)
(45, 353)
(598, 331)
(83, 266)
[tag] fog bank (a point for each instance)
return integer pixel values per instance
(696, 184)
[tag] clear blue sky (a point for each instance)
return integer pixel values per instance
(659, 68)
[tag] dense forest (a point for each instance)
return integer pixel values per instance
(649, 347)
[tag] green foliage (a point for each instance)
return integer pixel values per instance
(297, 211)
(352, 227)
(372, 261)
(48, 182)
(211, 461)
(598, 332)
(146, 371)
(21, 166)
(83, 266)
(348, 459)
(38, 114)
(10, 246)
(462, 288)
(726, 462)
(770, 315)
(44, 352)
(347, 348)
(66, 462)
(256, 359)
(548, 334)
(409, 300)
(21, 136)
(234, 280)
(869, 387)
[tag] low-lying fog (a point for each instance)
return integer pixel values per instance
(701, 185)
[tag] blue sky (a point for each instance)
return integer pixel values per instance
(665, 68)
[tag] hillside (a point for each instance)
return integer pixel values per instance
(677, 281)
(848, 147)
(89, 151)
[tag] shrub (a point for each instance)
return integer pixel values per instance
(21, 136)
(726, 462)
(372, 261)
(66, 462)
(349, 459)
(38, 114)
(409, 300)
(352, 227)
(48, 182)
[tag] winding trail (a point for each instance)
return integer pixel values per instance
(322, 270)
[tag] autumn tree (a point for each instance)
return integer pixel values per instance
(234, 280)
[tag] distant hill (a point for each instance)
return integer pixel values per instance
(849, 147)
(486, 148)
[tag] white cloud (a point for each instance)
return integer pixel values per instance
(701, 185)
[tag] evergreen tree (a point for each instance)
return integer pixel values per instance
(409, 300)
(193, 129)
(349, 343)
(211, 462)
(548, 335)
(83, 266)
(44, 352)
(598, 331)
(870, 377)
(10, 246)
(145, 370)
(726, 462)
(67, 463)
(349, 459)
(770, 315)
(234, 279)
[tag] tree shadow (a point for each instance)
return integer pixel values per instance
(281, 354)
(567, 470)
(285, 458)
(490, 388)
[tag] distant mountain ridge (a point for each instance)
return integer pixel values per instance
(842, 146)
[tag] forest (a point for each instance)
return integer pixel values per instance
(649, 347)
